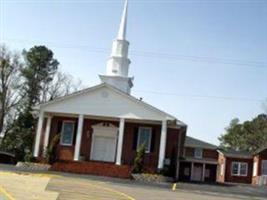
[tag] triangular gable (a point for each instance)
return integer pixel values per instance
(105, 100)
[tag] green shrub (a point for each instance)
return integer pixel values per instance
(50, 155)
(28, 157)
(139, 160)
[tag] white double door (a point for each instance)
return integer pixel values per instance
(104, 144)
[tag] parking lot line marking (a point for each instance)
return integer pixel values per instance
(8, 195)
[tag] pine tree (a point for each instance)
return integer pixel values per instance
(40, 67)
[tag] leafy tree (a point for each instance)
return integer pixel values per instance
(62, 84)
(10, 65)
(247, 136)
(39, 70)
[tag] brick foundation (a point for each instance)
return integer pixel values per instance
(93, 168)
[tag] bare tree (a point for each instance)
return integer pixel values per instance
(9, 86)
(62, 84)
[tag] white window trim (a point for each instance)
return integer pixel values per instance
(239, 168)
(150, 137)
(195, 155)
(62, 131)
(246, 164)
(262, 163)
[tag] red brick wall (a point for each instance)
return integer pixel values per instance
(210, 153)
(151, 159)
(258, 158)
(64, 152)
(238, 179)
(207, 153)
(95, 168)
(129, 145)
(189, 152)
(172, 143)
(262, 156)
(88, 134)
(67, 152)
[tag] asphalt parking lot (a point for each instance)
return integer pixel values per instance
(36, 186)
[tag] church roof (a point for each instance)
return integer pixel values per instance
(119, 104)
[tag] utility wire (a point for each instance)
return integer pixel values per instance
(168, 56)
(202, 96)
(119, 1)
(157, 55)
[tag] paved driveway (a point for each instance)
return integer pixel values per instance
(91, 187)
(229, 189)
(61, 186)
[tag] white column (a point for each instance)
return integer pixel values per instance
(47, 132)
(162, 147)
(38, 134)
(78, 138)
(203, 172)
(120, 141)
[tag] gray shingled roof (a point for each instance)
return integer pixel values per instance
(260, 150)
(193, 142)
(236, 154)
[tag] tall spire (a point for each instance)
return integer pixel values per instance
(123, 24)
(118, 62)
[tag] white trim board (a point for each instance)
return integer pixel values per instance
(104, 100)
(147, 108)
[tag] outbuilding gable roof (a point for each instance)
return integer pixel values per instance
(260, 150)
(193, 142)
(235, 154)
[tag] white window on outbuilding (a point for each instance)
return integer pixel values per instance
(235, 168)
(239, 169)
(67, 133)
(243, 169)
(264, 167)
(144, 138)
(198, 153)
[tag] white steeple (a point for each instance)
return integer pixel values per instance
(118, 63)
(123, 24)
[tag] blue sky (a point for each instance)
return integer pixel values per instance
(203, 61)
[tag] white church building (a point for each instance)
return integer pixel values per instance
(101, 127)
